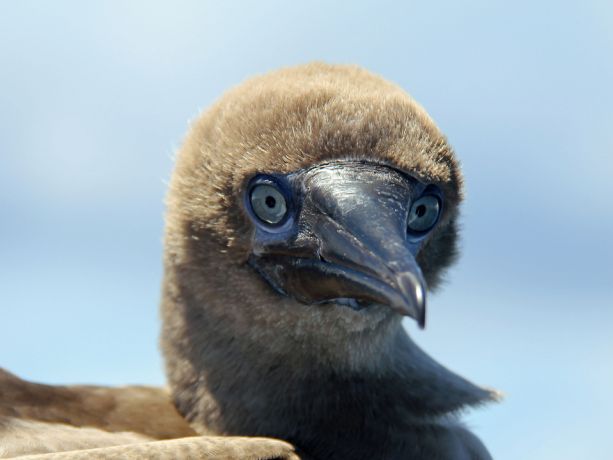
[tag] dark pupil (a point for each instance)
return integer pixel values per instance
(420, 211)
(270, 201)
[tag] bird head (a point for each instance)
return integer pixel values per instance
(316, 204)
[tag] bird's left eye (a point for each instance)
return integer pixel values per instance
(424, 213)
(268, 203)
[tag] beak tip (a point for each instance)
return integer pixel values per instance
(414, 292)
(422, 318)
(421, 305)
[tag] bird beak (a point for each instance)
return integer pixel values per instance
(350, 244)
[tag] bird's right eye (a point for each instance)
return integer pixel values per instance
(268, 203)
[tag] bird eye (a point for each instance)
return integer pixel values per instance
(424, 213)
(268, 203)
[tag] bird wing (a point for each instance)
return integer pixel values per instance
(78, 422)
(201, 447)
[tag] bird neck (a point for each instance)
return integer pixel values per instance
(235, 370)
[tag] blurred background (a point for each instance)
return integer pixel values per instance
(96, 96)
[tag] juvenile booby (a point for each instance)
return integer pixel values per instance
(309, 211)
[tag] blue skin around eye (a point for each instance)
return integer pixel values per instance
(260, 195)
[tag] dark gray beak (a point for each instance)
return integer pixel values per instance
(349, 242)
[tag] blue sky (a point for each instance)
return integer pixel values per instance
(96, 96)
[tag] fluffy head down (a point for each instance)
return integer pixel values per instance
(294, 118)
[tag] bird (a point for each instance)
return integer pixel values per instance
(310, 211)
